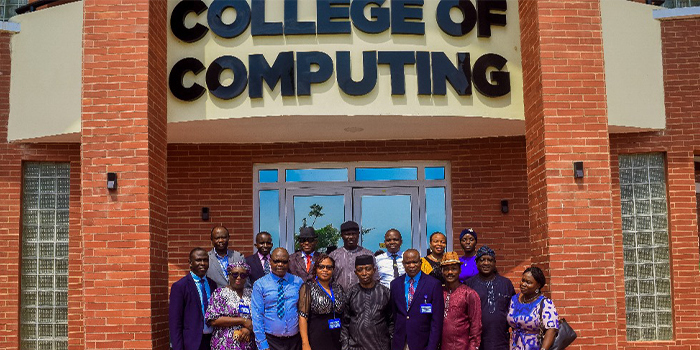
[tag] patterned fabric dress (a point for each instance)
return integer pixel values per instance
(432, 268)
(524, 318)
(225, 302)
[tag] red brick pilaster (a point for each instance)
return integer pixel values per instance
(10, 182)
(124, 131)
(571, 223)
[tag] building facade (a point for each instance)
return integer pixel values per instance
(611, 88)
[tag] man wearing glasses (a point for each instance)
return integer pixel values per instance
(274, 306)
(301, 263)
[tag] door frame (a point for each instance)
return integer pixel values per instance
(416, 211)
(287, 240)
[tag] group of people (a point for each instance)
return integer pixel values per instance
(353, 299)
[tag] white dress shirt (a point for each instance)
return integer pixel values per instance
(385, 267)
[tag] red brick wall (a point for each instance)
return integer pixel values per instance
(566, 121)
(124, 131)
(220, 177)
(680, 142)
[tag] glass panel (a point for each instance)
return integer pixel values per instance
(305, 175)
(386, 174)
(435, 173)
(325, 213)
(646, 251)
(269, 214)
(44, 256)
(267, 176)
(435, 210)
(376, 210)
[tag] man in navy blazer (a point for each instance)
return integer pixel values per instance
(257, 261)
(188, 300)
(418, 325)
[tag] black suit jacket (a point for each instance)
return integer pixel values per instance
(297, 265)
(256, 268)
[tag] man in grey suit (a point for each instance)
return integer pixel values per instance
(220, 256)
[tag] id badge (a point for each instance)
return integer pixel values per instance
(242, 309)
(426, 308)
(334, 323)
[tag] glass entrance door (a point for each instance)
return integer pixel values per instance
(324, 208)
(380, 209)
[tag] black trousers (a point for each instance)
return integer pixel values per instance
(284, 343)
(205, 344)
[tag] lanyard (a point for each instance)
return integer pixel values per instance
(332, 295)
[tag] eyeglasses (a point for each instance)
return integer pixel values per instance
(280, 261)
(325, 267)
(307, 240)
(235, 275)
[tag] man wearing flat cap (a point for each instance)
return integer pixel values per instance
(367, 328)
(344, 273)
(301, 263)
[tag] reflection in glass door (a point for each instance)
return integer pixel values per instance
(380, 209)
(324, 209)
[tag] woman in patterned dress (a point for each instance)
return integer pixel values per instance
(321, 305)
(430, 265)
(229, 312)
(524, 314)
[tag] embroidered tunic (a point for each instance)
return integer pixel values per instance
(461, 329)
(367, 319)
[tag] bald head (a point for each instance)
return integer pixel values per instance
(280, 262)
(411, 262)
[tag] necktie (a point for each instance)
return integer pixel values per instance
(280, 298)
(396, 266)
(411, 291)
(308, 263)
(266, 266)
(205, 300)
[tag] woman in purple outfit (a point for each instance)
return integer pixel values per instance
(467, 239)
(229, 312)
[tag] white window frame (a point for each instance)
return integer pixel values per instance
(329, 186)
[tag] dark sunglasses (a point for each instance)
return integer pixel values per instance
(325, 267)
(242, 275)
(280, 261)
(307, 240)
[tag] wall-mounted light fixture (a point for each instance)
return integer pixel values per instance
(205, 213)
(504, 206)
(111, 181)
(578, 170)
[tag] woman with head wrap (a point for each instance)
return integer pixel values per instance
(467, 239)
(229, 311)
(495, 292)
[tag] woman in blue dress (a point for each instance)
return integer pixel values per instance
(525, 317)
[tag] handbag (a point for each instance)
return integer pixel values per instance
(565, 336)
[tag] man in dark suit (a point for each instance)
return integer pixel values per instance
(220, 257)
(259, 262)
(417, 306)
(301, 263)
(189, 298)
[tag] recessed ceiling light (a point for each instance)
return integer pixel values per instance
(353, 129)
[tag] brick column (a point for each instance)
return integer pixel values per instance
(571, 223)
(10, 183)
(124, 131)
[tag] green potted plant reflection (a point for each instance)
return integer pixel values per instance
(327, 235)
